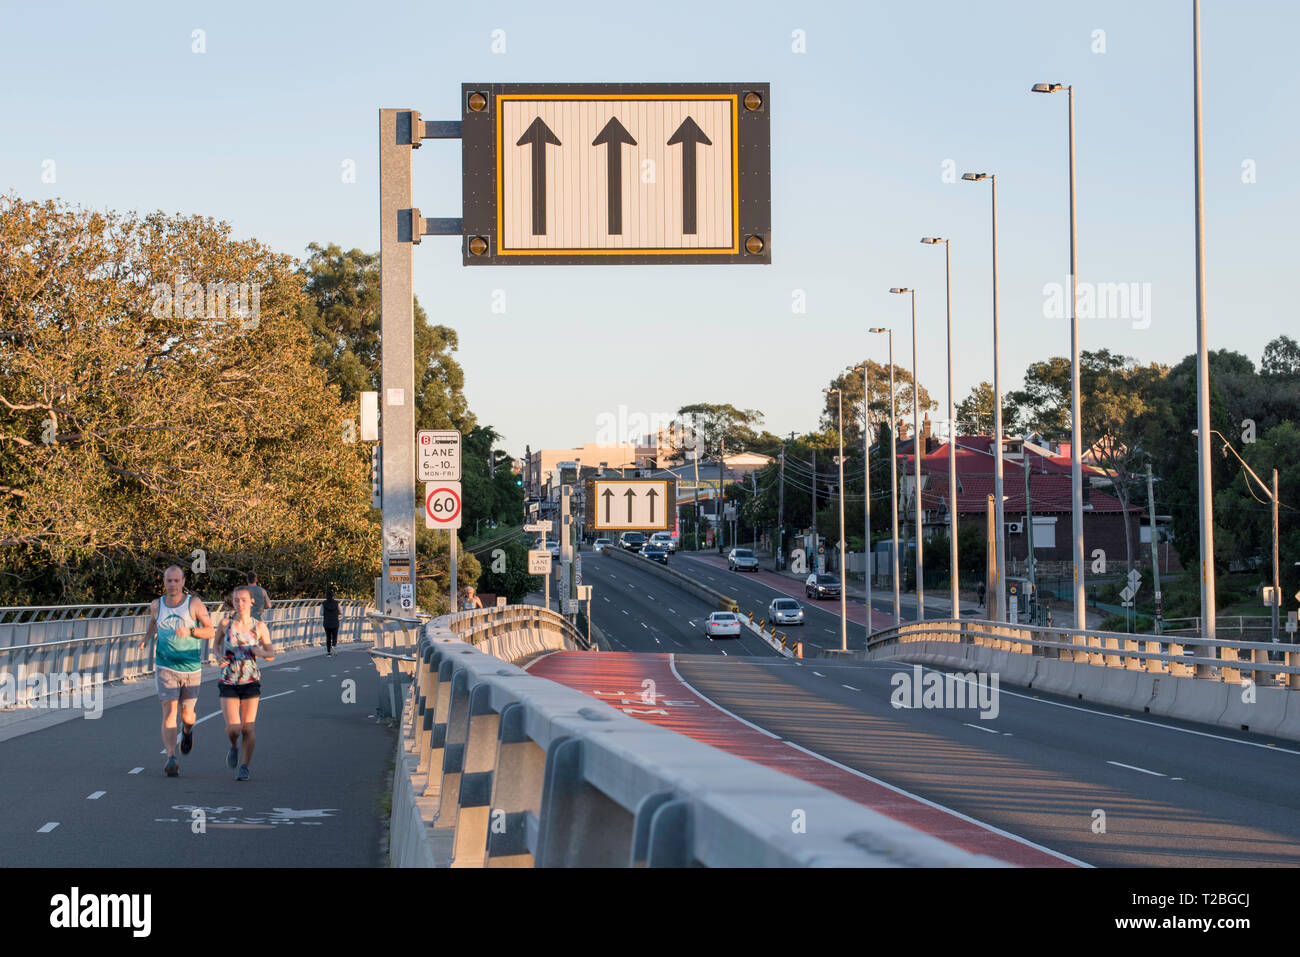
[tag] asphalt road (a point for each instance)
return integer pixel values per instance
(1099, 785)
(637, 610)
(92, 793)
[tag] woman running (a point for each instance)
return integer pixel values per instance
(242, 640)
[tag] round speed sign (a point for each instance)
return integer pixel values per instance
(442, 505)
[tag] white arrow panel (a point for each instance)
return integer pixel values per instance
(577, 181)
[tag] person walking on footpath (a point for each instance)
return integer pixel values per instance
(243, 639)
(330, 619)
(261, 600)
(179, 621)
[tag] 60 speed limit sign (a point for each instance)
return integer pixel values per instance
(442, 507)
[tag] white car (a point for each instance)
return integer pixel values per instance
(785, 611)
(666, 540)
(600, 544)
(722, 623)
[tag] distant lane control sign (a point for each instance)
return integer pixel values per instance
(559, 174)
(442, 505)
(631, 504)
(437, 455)
(539, 562)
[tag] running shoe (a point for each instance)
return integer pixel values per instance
(232, 757)
(171, 767)
(243, 773)
(187, 738)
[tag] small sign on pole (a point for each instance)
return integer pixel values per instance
(539, 562)
(442, 505)
(437, 455)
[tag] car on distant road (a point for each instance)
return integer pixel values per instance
(633, 541)
(600, 543)
(722, 623)
(554, 549)
(666, 540)
(655, 552)
(742, 560)
(822, 586)
(785, 611)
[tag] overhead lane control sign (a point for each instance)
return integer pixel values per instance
(616, 173)
(631, 505)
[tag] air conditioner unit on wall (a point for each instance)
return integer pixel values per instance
(1015, 528)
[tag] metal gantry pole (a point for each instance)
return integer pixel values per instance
(397, 138)
(1205, 483)
(1155, 547)
(918, 454)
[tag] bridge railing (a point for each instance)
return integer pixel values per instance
(498, 768)
(493, 624)
(1231, 661)
(41, 647)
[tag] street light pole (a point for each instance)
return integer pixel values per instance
(999, 531)
(1205, 484)
(1076, 439)
(844, 611)
(867, 554)
(917, 453)
(952, 433)
(893, 473)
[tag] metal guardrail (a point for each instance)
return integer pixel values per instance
(48, 643)
(1232, 662)
(498, 768)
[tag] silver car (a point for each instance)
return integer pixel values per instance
(742, 560)
(785, 611)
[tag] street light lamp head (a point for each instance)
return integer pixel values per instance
(1047, 88)
(933, 240)
(897, 289)
(877, 329)
(975, 177)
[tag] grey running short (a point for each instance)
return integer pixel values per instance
(177, 684)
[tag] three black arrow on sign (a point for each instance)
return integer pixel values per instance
(688, 134)
(538, 135)
(613, 136)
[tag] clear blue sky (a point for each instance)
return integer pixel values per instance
(255, 130)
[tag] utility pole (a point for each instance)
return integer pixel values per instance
(1155, 548)
(722, 454)
(780, 514)
(867, 554)
(813, 549)
(844, 588)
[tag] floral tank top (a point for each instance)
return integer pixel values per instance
(240, 667)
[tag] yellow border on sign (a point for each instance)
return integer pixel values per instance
(627, 250)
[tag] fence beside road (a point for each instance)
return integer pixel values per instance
(103, 640)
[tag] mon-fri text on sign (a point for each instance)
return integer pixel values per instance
(616, 173)
(437, 455)
(631, 505)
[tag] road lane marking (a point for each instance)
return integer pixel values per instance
(819, 674)
(45, 829)
(135, 771)
(850, 687)
(606, 597)
(1143, 770)
(978, 728)
(644, 625)
(625, 611)
(673, 610)
(95, 796)
(306, 686)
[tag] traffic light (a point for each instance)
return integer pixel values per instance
(519, 481)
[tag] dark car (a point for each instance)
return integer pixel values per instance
(656, 553)
(822, 586)
(633, 541)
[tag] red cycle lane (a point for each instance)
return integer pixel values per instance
(646, 687)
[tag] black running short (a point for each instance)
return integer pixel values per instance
(251, 690)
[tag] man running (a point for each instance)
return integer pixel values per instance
(261, 600)
(179, 621)
(240, 685)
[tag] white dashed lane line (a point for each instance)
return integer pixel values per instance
(45, 829)
(95, 795)
(819, 674)
(135, 771)
(1133, 768)
(850, 687)
(978, 728)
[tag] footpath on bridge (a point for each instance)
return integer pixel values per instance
(91, 792)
